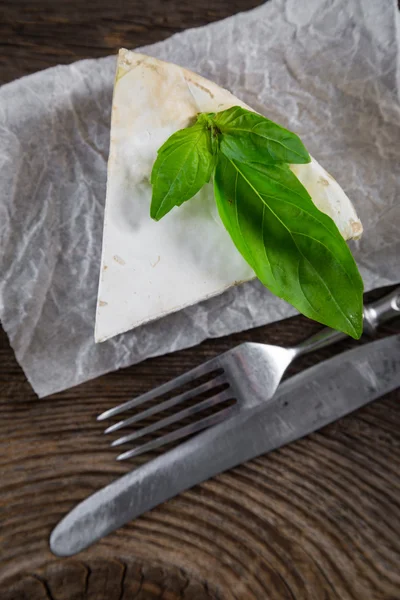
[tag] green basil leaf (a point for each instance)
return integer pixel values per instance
(295, 250)
(183, 165)
(250, 137)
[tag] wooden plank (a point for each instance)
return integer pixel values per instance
(319, 519)
(35, 35)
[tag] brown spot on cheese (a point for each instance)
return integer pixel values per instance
(119, 260)
(139, 62)
(151, 66)
(102, 303)
(105, 268)
(323, 181)
(201, 87)
(330, 176)
(126, 65)
(356, 228)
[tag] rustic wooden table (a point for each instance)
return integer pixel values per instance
(319, 519)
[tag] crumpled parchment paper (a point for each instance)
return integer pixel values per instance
(328, 69)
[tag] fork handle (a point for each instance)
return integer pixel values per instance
(375, 314)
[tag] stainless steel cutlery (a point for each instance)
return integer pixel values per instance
(302, 404)
(248, 374)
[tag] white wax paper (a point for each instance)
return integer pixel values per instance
(329, 70)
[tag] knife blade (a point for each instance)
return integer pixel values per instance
(303, 404)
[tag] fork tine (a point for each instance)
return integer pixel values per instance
(186, 412)
(218, 380)
(191, 375)
(180, 433)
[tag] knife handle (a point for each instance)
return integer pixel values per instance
(375, 314)
(382, 310)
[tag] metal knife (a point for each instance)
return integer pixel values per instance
(302, 404)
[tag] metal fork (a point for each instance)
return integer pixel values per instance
(247, 372)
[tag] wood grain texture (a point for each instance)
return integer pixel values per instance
(39, 34)
(317, 520)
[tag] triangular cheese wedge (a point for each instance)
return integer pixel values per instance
(148, 268)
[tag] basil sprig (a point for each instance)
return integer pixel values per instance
(295, 250)
(250, 137)
(183, 165)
